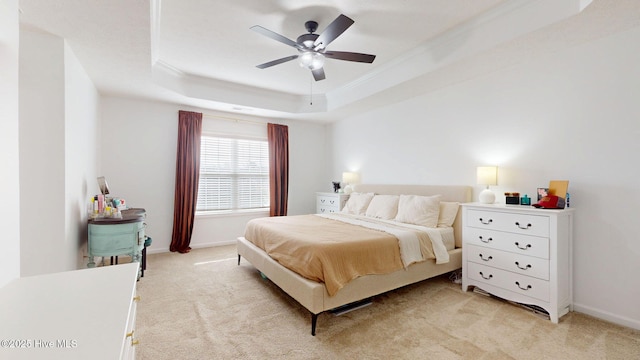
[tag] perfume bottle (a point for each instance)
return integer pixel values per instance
(526, 200)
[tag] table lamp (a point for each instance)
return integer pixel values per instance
(487, 175)
(348, 179)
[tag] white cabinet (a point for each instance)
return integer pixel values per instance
(327, 202)
(82, 314)
(519, 253)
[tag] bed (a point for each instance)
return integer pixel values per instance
(318, 294)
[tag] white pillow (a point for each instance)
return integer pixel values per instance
(357, 203)
(383, 207)
(419, 210)
(448, 212)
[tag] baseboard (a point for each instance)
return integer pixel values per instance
(214, 244)
(607, 316)
(156, 250)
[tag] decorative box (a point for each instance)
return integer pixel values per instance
(512, 198)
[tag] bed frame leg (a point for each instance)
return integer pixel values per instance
(238, 259)
(314, 320)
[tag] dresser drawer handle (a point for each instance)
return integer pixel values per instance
(485, 241)
(523, 268)
(321, 210)
(485, 259)
(523, 248)
(486, 222)
(521, 288)
(484, 277)
(331, 201)
(322, 201)
(523, 227)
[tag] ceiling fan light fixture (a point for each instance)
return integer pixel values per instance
(311, 60)
(312, 47)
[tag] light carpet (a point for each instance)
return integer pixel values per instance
(202, 305)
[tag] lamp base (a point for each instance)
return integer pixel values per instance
(487, 197)
(348, 189)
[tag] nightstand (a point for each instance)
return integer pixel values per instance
(519, 253)
(327, 202)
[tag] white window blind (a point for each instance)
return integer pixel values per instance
(234, 174)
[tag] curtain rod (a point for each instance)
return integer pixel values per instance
(233, 119)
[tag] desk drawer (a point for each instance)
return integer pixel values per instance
(108, 240)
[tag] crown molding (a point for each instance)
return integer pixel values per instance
(502, 24)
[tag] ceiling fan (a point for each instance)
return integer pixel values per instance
(312, 47)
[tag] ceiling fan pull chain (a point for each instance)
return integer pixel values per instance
(310, 92)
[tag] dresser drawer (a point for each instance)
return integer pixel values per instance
(525, 224)
(329, 201)
(525, 265)
(131, 338)
(326, 209)
(524, 285)
(514, 243)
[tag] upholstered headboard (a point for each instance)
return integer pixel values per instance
(459, 193)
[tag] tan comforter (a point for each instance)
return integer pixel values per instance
(327, 250)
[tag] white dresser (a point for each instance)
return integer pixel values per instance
(82, 314)
(519, 253)
(328, 202)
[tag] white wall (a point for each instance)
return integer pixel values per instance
(82, 116)
(9, 147)
(58, 128)
(139, 140)
(42, 153)
(571, 115)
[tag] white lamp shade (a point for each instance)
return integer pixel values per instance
(487, 175)
(350, 178)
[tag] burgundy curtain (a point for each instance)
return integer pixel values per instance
(187, 176)
(278, 138)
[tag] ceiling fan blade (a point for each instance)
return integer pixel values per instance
(276, 62)
(350, 56)
(337, 27)
(318, 74)
(275, 36)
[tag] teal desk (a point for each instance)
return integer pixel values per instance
(113, 237)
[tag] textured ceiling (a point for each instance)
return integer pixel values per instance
(202, 52)
(216, 42)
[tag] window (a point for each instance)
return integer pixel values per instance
(234, 174)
